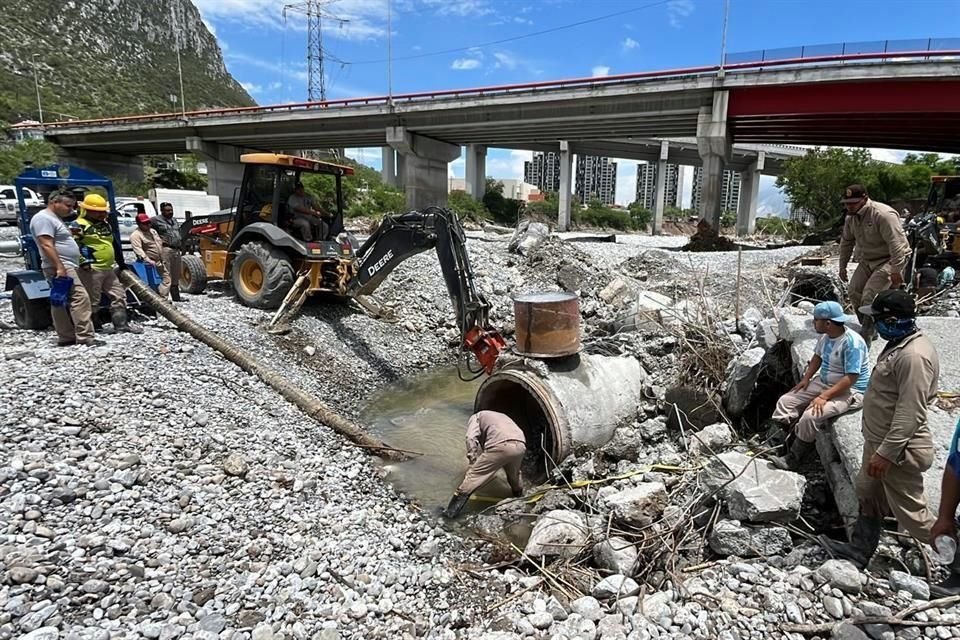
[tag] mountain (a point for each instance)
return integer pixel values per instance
(108, 57)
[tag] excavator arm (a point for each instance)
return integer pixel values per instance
(407, 234)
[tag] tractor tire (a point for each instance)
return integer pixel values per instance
(262, 275)
(193, 274)
(30, 314)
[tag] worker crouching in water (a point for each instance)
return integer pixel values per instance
(98, 261)
(494, 441)
(832, 385)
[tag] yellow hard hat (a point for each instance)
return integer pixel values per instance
(94, 202)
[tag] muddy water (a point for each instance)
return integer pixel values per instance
(429, 415)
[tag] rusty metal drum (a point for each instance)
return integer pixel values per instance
(547, 324)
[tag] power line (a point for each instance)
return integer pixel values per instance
(514, 38)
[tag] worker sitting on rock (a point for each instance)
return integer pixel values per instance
(98, 272)
(834, 382)
(494, 441)
(946, 524)
(876, 231)
(898, 446)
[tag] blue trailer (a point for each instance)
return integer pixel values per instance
(30, 290)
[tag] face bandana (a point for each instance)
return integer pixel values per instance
(896, 329)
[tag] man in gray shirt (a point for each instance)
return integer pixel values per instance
(306, 218)
(59, 257)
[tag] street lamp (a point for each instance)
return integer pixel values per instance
(36, 83)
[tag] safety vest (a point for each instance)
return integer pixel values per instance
(97, 237)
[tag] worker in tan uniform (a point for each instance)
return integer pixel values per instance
(494, 442)
(898, 447)
(147, 246)
(875, 230)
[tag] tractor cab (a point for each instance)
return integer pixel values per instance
(255, 243)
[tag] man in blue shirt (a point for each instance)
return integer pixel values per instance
(835, 379)
(946, 524)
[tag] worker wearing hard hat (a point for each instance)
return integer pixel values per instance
(98, 266)
(876, 231)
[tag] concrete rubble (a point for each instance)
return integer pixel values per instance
(180, 498)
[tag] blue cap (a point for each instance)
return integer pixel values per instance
(830, 311)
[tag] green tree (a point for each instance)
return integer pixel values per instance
(641, 216)
(466, 207)
(548, 208)
(14, 157)
(493, 199)
(815, 181)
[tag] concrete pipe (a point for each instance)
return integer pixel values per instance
(562, 405)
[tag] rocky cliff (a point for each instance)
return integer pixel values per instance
(108, 57)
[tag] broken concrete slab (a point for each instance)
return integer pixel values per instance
(616, 586)
(768, 333)
(528, 236)
(741, 380)
(615, 292)
(562, 533)
(795, 324)
(615, 554)
(841, 445)
(747, 324)
(624, 445)
(753, 489)
(730, 538)
(711, 439)
(801, 352)
(638, 506)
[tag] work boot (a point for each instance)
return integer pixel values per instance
(457, 503)
(175, 294)
(797, 455)
(950, 586)
(863, 543)
(120, 322)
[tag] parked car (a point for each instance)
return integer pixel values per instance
(127, 210)
(8, 203)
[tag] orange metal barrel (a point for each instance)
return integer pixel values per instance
(547, 324)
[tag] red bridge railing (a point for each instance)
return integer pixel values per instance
(890, 51)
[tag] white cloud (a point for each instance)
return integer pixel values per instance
(275, 85)
(599, 71)
(629, 44)
(677, 10)
(505, 60)
(251, 87)
(459, 7)
(626, 182)
(298, 73)
(505, 164)
(888, 155)
(365, 19)
(465, 64)
(771, 201)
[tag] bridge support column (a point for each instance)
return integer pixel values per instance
(660, 194)
(749, 192)
(476, 171)
(112, 165)
(388, 169)
(424, 166)
(715, 147)
(224, 171)
(566, 186)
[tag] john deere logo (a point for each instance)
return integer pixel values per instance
(63, 171)
(849, 193)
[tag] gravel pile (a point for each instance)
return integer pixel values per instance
(149, 488)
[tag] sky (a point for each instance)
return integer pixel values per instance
(448, 44)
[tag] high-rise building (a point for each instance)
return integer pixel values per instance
(543, 171)
(729, 192)
(647, 185)
(596, 179)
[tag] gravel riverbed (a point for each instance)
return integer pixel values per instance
(151, 489)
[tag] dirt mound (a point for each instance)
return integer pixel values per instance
(707, 239)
